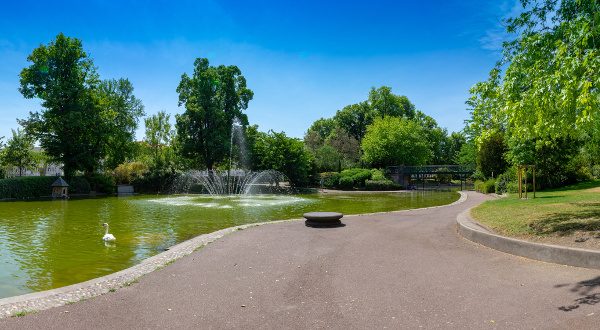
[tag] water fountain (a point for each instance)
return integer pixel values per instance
(236, 180)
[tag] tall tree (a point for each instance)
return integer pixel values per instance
(317, 133)
(62, 76)
(545, 89)
(355, 118)
(19, 151)
(82, 118)
(385, 103)
(395, 141)
(213, 97)
(120, 111)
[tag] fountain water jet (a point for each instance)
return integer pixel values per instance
(234, 181)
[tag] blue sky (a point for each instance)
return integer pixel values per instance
(303, 60)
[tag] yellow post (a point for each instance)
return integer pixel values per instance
(533, 170)
(519, 178)
(525, 181)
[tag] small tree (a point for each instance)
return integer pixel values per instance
(276, 151)
(19, 151)
(491, 159)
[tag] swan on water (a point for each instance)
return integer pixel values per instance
(107, 237)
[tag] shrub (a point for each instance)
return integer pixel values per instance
(505, 179)
(128, 172)
(357, 175)
(346, 182)
(330, 179)
(101, 183)
(79, 185)
(596, 171)
(378, 185)
(485, 187)
(26, 187)
(377, 175)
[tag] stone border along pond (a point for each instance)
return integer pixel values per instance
(36, 301)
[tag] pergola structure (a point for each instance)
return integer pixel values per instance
(404, 174)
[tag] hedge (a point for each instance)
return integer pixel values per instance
(28, 187)
(379, 185)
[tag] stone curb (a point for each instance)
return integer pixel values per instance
(475, 232)
(36, 301)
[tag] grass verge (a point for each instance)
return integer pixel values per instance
(557, 212)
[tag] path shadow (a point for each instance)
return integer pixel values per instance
(585, 289)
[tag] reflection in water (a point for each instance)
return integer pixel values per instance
(49, 244)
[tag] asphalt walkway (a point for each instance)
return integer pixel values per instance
(397, 270)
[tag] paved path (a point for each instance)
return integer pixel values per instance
(397, 270)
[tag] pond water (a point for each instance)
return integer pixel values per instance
(49, 244)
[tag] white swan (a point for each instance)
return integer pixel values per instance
(107, 237)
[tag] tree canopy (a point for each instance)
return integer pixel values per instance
(83, 119)
(545, 89)
(395, 141)
(213, 97)
(18, 151)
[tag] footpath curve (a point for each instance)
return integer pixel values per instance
(406, 269)
(563, 255)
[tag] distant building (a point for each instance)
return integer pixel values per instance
(49, 169)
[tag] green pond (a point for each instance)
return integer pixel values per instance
(49, 244)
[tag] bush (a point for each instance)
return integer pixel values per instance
(128, 172)
(377, 175)
(357, 175)
(101, 183)
(330, 179)
(379, 185)
(156, 181)
(79, 185)
(505, 179)
(346, 182)
(485, 187)
(596, 171)
(26, 187)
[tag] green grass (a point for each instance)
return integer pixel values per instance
(553, 212)
(23, 313)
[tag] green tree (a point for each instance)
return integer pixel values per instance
(159, 139)
(395, 141)
(120, 111)
(385, 103)
(453, 146)
(63, 77)
(467, 154)
(83, 120)
(19, 151)
(491, 160)
(319, 131)
(327, 159)
(276, 151)
(213, 97)
(347, 147)
(355, 118)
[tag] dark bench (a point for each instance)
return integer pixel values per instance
(323, 219)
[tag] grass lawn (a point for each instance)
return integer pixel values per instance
(558, 212)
